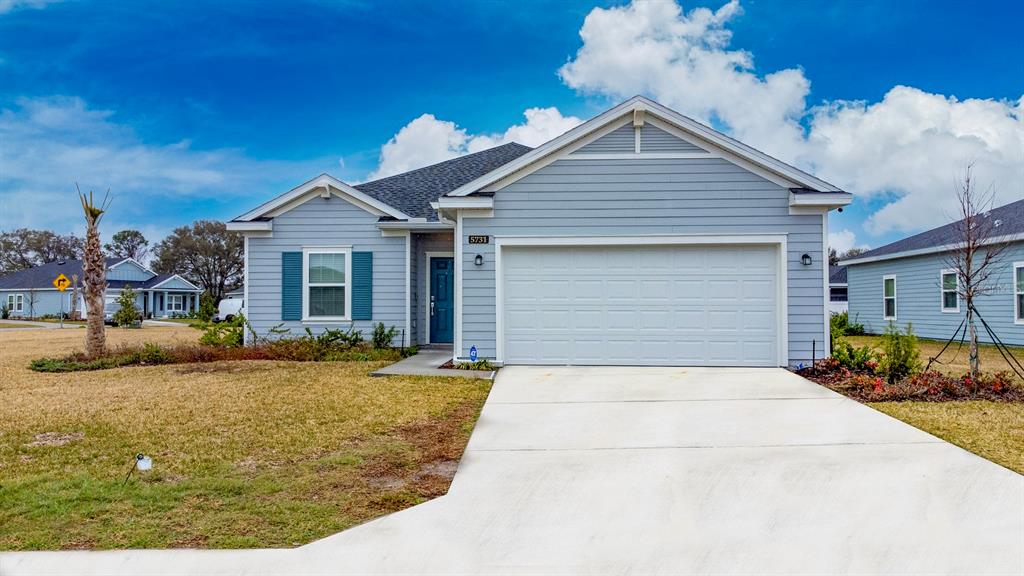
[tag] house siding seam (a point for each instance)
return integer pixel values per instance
(643, 197)
(330, 222)
(918, 297)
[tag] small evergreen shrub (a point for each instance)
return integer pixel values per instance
(382, 337)
(482, 364)
(127, 314)
(5, 312)
(207, 307)
(225, 334)
(856, 359)
(901, 356)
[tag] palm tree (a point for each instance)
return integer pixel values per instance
(94, 275)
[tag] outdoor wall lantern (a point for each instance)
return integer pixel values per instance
(479, 260)
(805, 259)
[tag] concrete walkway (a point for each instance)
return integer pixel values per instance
(427, 362)
(667, 471)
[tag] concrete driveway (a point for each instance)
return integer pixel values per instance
(667, 471)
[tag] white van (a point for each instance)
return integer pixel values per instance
(229, 308)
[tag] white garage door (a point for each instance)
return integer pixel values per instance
(634, 305)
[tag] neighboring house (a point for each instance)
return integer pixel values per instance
(30, 293)
(638, 237)
(837, 290)
(911, 282)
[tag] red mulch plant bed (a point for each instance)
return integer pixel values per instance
(928, 386)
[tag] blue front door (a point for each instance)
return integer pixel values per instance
(442, 300)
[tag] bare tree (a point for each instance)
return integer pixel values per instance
(94, 275)
(977, 251)
(32, 301)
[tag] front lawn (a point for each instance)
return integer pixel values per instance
(245, 453)
(993, 430)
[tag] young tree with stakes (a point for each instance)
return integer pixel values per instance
(977, 252)
(94, 275)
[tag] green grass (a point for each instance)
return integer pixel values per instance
(246, 454)
(992, 430)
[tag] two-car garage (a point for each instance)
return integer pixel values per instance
(562, 301)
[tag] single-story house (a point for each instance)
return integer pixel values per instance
(837, 289)
(639, 237)
(911, 282)
(30, 293)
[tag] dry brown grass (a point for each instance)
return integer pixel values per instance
(245, 453)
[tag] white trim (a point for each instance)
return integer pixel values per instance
(327, 182)
(167, 304)
(838, 285)
(895, 302)
(347, 251)
(1016, 310)
(465, 202)
(931, 250)
(636, 136)
(622, 111)
(415, 225)
(16, 302)
(258, 226)
(943, 290)
(407, 337)
(642, 156)
(166, 280)
(827, 333)
(828, 199)
(426, 286)
(457, 340)
(245, 286)
(782, 273)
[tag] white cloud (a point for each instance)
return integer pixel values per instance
(911, 145)
(49, 144)
(427, 140)
(12, 5)
(843, 240)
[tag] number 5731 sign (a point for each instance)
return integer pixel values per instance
(61, 282)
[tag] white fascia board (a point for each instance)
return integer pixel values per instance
(930, 250)
(133, 261)
(827, 199)
(327, 182)
(421, 225)
(446, 203)
(258, 226)
(652, 108)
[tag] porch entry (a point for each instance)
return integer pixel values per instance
(441, 313)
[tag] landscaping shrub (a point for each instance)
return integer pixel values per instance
(481, 364)
(900, 354)
(382, 337)
(207, 307)
(127, 314)
(5, 312)
(856, 359)
(224, 334)
(840, 326)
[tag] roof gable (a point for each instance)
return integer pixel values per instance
(322, 184)
(637, 109)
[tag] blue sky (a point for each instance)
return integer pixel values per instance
(203, 110)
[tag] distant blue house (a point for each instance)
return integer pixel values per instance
(910, 282)
(30, 293)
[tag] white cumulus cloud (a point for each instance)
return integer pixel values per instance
(428, 140)
(843, 240)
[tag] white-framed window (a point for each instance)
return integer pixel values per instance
(949, 286)
(1018, 292)
(888, 297)
(326, 274)
(16, 302)
(175, 303)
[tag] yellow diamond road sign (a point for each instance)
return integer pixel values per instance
(61, 282)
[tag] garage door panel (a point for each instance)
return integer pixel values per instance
(657, 305)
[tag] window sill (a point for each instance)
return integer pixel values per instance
(950, 310)
(326, 320)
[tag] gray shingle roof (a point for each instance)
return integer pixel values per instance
(413, 191)
(837, 274)
(42, 276)
(1010, 218)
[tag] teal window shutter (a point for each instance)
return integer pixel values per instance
(362, 285)
(291, 286)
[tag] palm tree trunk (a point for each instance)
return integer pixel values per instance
(94, 278)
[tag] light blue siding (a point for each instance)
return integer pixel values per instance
(654, 139)
(38, 302)
(320, 222)
(173, 284)
(640, 197)
(618, 141)
(129, 271)
(918, 297)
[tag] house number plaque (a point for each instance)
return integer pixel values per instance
(479, 239)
